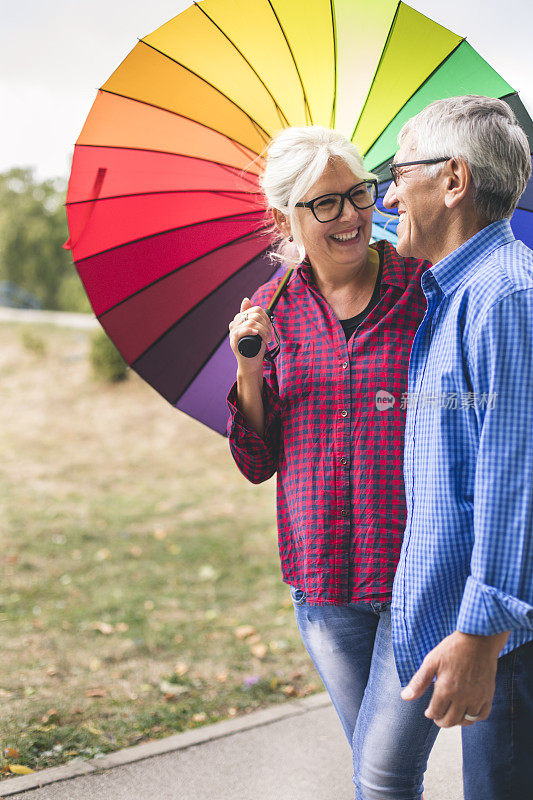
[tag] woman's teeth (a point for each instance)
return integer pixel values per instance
(402, 216)
(345, 237)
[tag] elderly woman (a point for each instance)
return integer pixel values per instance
(328, 416)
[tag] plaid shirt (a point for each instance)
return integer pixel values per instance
(467, 556)
(334, 432)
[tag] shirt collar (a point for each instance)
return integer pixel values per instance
(452, 270)
(393, 266)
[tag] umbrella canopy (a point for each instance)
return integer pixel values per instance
(167, 225)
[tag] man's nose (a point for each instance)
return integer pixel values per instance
(390, 200)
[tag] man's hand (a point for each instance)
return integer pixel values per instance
(465, 669)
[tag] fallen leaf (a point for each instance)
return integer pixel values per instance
(103, 627)
(95, 664)
(244, 631)
(122, 627)
(92, 729)
(103, 554)
(207, 573)
(172, 690)
(201, 717)
(4, 770)
(232, 712)
(136, 551)
(51, 671)
(10, 752)
(96, 693)
(181, 668)
(259, 650)
(160, 533)
(254, 638)
(298, 674)
(221, 677)
(51, 717)
(289, 690)
(20, 769)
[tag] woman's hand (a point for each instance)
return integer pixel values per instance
(257, 322)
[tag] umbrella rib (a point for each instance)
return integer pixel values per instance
(161, 233)
(283, 119)
(238, 145)
(432, 73)
(381, 57)
(262, 132)
(334, 33)
(219, 341)
(219, 192)
(226, 167)
(306, 101)
(254, 235)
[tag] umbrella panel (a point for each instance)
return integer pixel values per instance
(109, 278)
(143, 318)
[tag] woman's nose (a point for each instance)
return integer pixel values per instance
(350, 211)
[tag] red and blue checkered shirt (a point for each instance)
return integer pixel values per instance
(334, 433)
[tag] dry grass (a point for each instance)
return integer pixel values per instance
(131, 550)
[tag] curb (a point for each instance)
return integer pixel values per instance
(179, 741)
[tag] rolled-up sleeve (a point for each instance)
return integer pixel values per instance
(256, 456)
(498, 594)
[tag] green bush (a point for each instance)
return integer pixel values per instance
(107, 363)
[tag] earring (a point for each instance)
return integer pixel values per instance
(291, 238)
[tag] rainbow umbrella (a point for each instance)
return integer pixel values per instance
(167, 226)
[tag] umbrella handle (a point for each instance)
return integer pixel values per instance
(249, 346)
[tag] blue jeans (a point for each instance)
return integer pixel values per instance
(351, 648)
(498, 752)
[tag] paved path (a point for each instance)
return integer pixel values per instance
(65, 319)
(295, 751)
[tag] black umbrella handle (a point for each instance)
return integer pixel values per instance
(249, 346)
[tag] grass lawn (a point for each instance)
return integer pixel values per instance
(133, 554)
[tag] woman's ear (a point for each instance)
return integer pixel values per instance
(281, 222)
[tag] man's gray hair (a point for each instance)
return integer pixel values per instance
(484, 133)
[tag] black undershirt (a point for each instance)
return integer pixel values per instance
(349, 325)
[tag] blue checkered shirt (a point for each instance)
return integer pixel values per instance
(467, 556)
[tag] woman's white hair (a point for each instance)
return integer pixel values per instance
(295, 160)
(484, 133)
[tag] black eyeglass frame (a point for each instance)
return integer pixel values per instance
(394, 167)
(343, 196)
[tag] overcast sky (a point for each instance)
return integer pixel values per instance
(54, 54)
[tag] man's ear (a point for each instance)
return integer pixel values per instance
(458, 182)
(281, 222)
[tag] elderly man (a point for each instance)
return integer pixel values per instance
(463, 592)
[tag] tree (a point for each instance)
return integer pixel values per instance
(33, 228)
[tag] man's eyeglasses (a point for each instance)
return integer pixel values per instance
(328, 207)
(395, 167)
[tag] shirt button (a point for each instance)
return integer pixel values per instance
(344, 413)
(344, 512)
(344, 461)
(345, 365)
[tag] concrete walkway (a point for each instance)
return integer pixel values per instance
(295, 751)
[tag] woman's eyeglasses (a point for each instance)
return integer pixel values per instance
(328, 207)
